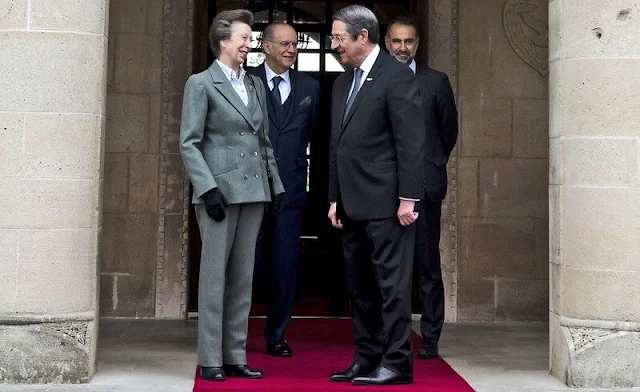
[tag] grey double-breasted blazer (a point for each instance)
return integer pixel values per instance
(224, 142)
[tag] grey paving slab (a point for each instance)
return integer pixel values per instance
(160, 356)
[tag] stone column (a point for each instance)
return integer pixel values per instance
(594, 192)
(52, 115)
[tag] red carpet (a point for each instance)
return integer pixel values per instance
(321, 347)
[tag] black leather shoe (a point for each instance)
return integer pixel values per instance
(355, 370)
(242, 371)
(212, 373)
(280, 350)
(383, 376)
(428, 349)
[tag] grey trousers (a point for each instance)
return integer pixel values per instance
(226, 275)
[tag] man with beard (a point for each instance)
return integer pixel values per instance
(293, 107)
(441, 122)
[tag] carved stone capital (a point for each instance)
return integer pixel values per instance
(601, 358)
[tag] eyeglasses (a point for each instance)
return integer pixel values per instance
(339, 38)
(286, 44)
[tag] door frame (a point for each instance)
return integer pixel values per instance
(438, 21)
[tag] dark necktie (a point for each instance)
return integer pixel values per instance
(276, 91)
(356, 88)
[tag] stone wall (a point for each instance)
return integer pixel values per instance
(146, 193)
(595, 192)
(502, 169)
(52, 115)
(128, 273)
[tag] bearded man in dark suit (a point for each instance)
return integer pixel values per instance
(441, 123)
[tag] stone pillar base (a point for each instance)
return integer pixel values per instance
(46, 352)
(595, 356)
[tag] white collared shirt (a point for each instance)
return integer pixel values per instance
(285, 84)
(366, 66)
(236, 83)
(413, 65)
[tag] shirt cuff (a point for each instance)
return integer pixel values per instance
(406, 198)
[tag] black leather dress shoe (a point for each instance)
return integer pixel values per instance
(383, 376)
(242, 371)
(355, 370)
(280, 350)
(212, 373)
(428, 349)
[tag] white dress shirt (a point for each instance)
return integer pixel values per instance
(285, 84)
(366, 66)
(413, 65)
(236, 83)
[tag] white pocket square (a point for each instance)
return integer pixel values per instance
(368, 79)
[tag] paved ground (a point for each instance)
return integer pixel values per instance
(159, 356)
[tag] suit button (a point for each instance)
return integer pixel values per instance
(255, 153)
(241, 133)
(246, 177)
(255, 132)
(257, 176)
(242, 155)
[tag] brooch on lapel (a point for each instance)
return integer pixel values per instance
(306, 101)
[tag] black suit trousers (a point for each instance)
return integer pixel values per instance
(378, 262)
(280, 236)
(427, 259)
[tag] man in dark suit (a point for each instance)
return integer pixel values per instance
(441, 122)
(293, 113)
(375, 181)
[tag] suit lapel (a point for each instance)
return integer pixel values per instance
(368, 82)
(421, 74)
(262, 74)
(293, 96)
(253, 95)
(222, 84)
(344, 94)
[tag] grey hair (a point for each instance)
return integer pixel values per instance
(220, 29)
(267, 35)
(358, 17)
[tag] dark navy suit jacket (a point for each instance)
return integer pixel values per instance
(290, 140)
(441, 122)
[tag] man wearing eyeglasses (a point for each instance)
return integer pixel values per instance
(375, 182)
(293, 107)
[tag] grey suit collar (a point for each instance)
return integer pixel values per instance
(222, 84)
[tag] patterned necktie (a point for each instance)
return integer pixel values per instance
(356, 88)
(276, 91)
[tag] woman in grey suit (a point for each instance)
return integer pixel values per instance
(229, 159)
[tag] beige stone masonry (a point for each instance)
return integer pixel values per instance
(52, 105)
(594, 192)
(502, 188)
(15, 16)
